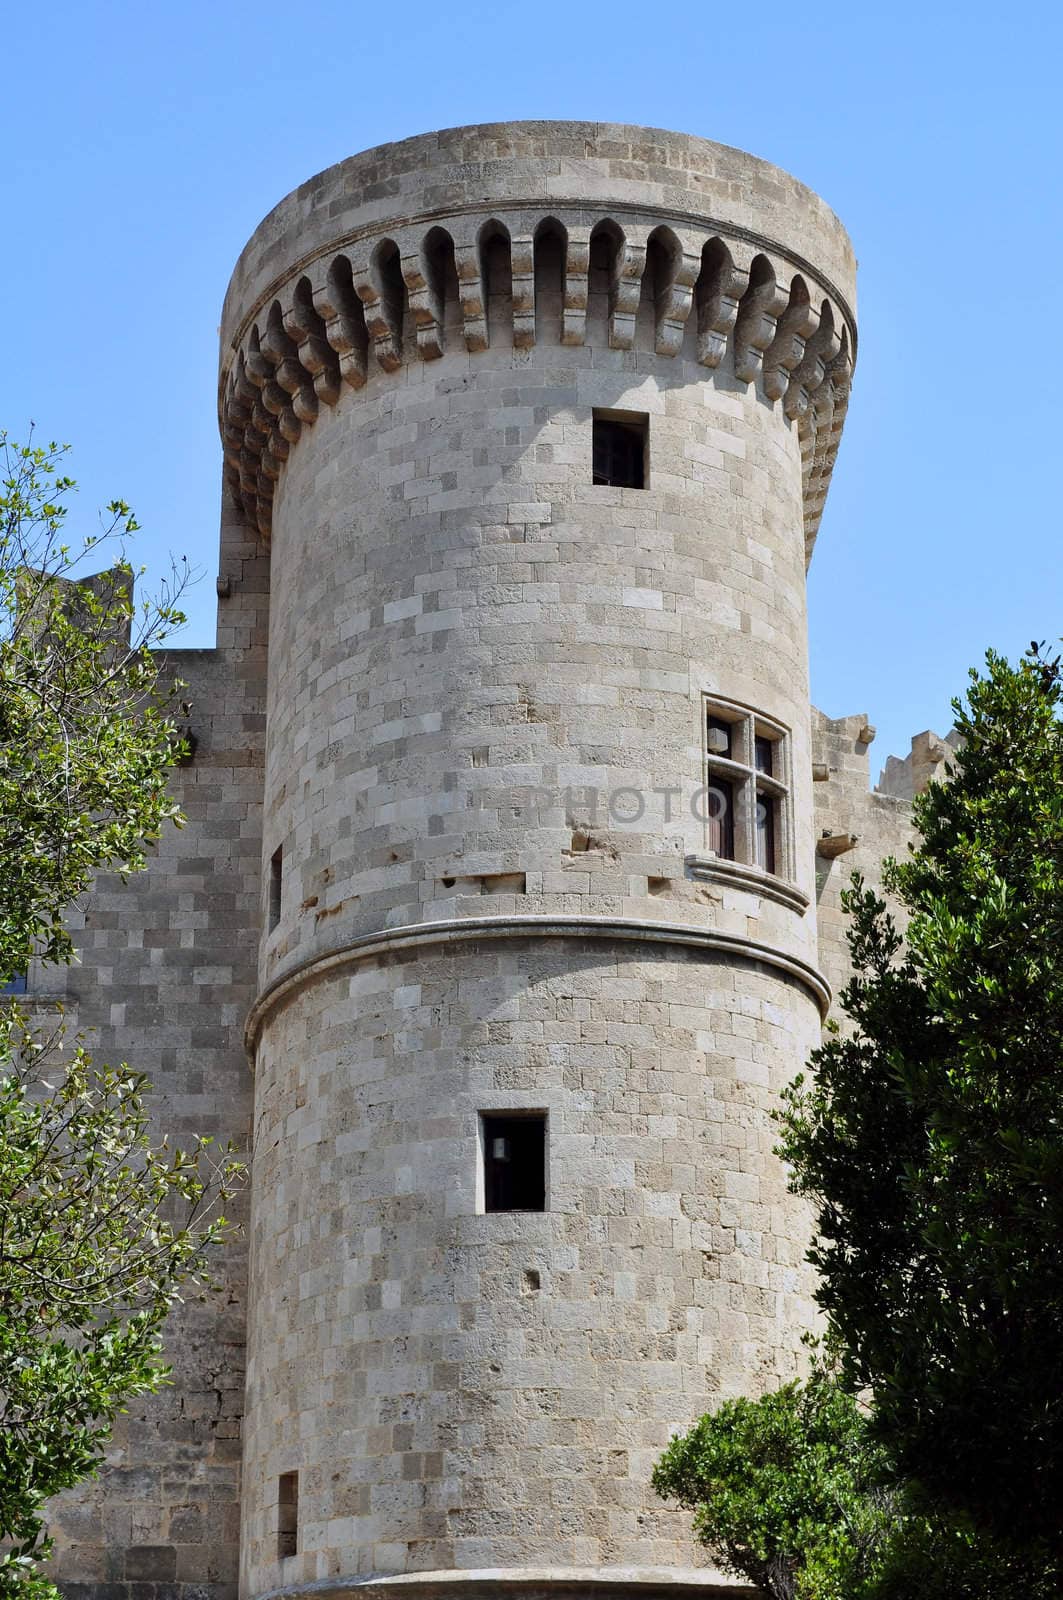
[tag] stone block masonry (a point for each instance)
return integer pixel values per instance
(527, 432)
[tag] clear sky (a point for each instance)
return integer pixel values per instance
(143, 142)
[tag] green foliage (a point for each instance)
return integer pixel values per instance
(795, 1493)
(100, 1227)
(931, 1558)
(786, 1490)
(930, 1137)
(86, 742)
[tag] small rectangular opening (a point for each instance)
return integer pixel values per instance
(275, 864)
(619, 448)
(287, 1515)
(16, 984)
(514, 1160)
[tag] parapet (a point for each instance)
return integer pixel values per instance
(905, 777)
(358, 272)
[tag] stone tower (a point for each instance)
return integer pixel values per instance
(537, 421)
(502, 845)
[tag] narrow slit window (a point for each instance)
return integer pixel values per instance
(619, 449)
(275, 866)
(514, 1158)
(287, 1515)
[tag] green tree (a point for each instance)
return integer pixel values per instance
(795, 1493)
(930, 1135)
(787, 1491)
(930, 1557)
(86, 737)
(100, 1225)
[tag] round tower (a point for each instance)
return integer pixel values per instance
(538, 420)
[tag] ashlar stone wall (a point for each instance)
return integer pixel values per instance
(165, 979)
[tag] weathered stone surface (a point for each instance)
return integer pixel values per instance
(322, 285)
(445, 857)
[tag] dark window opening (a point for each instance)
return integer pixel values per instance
(16, 984)
(721, 817)
(764, 841)
(514, 1162)
(763, 755)
(287, 1515)
(619, 451)
(275, 864)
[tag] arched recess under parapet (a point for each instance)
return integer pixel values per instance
(550, 244)
(441, 275)
(663, 255)
(386, 317)
(496, 269)
(606, 244)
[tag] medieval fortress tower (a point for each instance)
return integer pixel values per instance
(512, 869)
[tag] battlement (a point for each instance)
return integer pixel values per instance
(623, 247)
(907, 776)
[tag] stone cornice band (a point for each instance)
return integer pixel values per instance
(463, 930)
(527, 1583)
(340, 312)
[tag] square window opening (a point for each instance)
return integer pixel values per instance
(619, 449)
(514, 1160)
(287, 1515)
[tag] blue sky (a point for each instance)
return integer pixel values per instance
(143, 143)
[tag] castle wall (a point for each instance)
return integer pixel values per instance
(864, 825)
(469, 870)
(166, 976)
(469, 1391)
